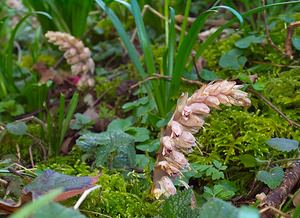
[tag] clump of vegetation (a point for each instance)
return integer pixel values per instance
(88, 134)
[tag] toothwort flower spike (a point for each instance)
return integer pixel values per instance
(187, 120)
(76, 55)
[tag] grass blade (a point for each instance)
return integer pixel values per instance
(70, 112)
(185, 50)
(148, 56)
(8, 69)
(170, 55)
(29, 208)
(185, 20)
(124, 37)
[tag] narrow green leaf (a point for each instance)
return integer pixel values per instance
(70, 112)
(185, 20)
(10, 45)
(185, 50)
(125, 39)
(28, 209)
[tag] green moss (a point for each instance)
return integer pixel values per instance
(213, 53)
(231, 133)
(284, 92)
(70, 164)
(27, 60)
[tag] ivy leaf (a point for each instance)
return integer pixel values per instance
(60, 211)
(81, 121)
(149, 147)
(89, 141)
(143, 161)
(17, 128)
(131, 105)
(49, 180)
(247, 41)
(233, 60)
(119, 124)
(273, 178)
(283, 144)
(140, 134)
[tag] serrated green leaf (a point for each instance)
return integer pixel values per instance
(283, 144)
(17, 128)
(273, 178)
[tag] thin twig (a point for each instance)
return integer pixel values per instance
(4, 182)
(275, 210)
(277, 65)
(84, 195)
(159, 76)
(40, 143)
(291, 122)
(288, 41)
(267, 30)
(31, 156)
(18, 152)
(155, 12)
(35, 119)
(96, 213)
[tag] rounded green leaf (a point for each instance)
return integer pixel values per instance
(283, 144)
(17, 128)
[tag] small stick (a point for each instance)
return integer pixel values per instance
(291, 122)
(31, 156)
(84, 195)
(159, 76)
(96, 213)
(288, 40)
(155, 12)
(35, 119)
(18, 152)
(275, 210)
(4, 182)
(277, 65)
(267, 30)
